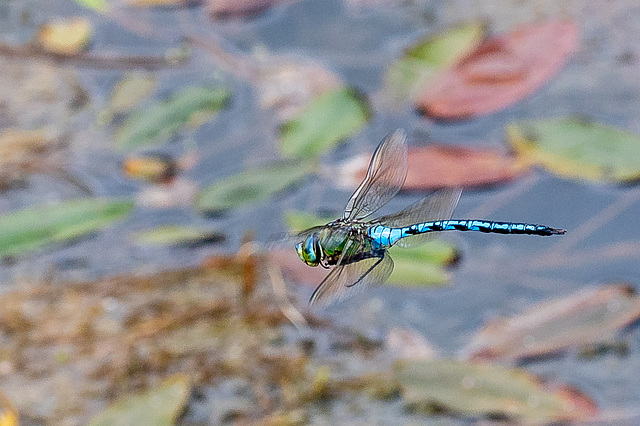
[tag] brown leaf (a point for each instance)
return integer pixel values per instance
(588, 316)
(438, 166)
(501, 71)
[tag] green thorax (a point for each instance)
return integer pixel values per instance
(334, 237)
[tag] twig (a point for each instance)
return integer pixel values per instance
(92, 60)
(287, 308)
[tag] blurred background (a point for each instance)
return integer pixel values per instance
(153, 153)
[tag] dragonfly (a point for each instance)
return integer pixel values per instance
(355, 247)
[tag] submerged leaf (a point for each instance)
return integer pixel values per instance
(405, 78)
(96, 5)
(438, 166)
(576, 148)
(252, 185)
(501, 71)
(127, 94)
(190, 107)
(67, 37)
(35, 227)
(586, 317)
(159, 406)
(328, 119)
(172, 235)
(487, 390)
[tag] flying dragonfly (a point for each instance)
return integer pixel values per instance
(356, 247)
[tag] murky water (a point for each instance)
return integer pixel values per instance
(496, 275)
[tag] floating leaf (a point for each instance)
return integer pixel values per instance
(252, 185)
(328, 119)
(226, 9)
(288, 85)
(586, 317)
(438, 166)
(99, 6)
(174, 235)
(154, 168)
(127, 94)
(68, 37)
(501, 71)
(422, 265)
(405, 78)
(35, 227)
(576, 148)
(159, 406)
(190, 107)
(487, 390)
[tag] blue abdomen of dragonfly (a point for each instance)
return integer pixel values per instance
(387, 236)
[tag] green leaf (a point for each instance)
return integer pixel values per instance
(172, 235)
(159, 406)
(432, 54)
(99, 6)
(328, 119)
(575, 148)
(422, 265)
(127, 94)
(484, 390)
(252, 185)
(190, 107)
(35, 227)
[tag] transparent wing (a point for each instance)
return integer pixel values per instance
(280, 240)
(437, 206)
(348, 279)
(385, 176)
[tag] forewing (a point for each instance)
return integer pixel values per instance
(436, 206)
(348, 279)
(385, 176)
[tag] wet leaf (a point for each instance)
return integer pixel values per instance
(68, 37)
(576, 148)
(585, 317)
(415, 266)
(153, 168)
(96, 5)
(487, 390)
(190, 107)
(127, 94)
(288, 85)
(501, 71)
(405, 78)
(228, 9)
(438, 166)
(328, 119)
(175, 235)
(252, 185)
(32, 228)
(158, 406)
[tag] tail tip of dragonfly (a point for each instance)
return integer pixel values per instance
(557, 231)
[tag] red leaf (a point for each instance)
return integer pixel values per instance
(501, 71)
(438, 166)
(585, 317)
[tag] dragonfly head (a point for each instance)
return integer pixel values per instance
(309, 251)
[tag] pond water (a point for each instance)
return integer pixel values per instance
(496, 275)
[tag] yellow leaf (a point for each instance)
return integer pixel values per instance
(68, 37)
